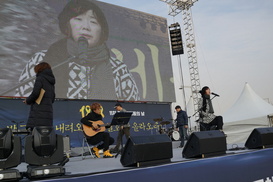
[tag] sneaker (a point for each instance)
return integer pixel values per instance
(107, 154)
(95, 152)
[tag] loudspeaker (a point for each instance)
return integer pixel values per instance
(176, 39)
(260, 138)
(147, 150)
(205, 144)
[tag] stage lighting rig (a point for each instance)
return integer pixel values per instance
(43, 149)
(10, 155)
(184, 6)
(176, 6)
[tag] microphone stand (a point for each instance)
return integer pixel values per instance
(32, 78)
(83, 43)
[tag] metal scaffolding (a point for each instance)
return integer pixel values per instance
(184, 6)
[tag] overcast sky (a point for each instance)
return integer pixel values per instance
(234, 44)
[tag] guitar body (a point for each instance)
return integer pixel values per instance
(91, 131)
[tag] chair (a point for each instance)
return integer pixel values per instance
(85, 143)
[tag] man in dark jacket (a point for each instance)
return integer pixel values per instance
(41, 112)
(181, 124)
(123, 130)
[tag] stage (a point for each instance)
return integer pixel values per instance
(236, 165)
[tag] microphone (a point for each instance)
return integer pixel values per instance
(215, 94)
(82, 49)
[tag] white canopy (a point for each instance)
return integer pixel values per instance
(248, 112)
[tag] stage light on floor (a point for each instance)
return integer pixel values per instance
(44, 149)
(10, 175)
(10, 155)
(45, 171)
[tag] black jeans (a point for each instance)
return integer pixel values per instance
(125, 131)
(103, 137)
(183, 134)
(217, 121)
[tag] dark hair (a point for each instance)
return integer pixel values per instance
(41, 67)
(77, 7)
(118, 104)
(95, 106)
(203, 91)
(177, 107)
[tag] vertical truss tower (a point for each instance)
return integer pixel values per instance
(184, 6)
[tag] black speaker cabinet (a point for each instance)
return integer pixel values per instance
(176, 39)
(260, 138)
(147, 150)
(205, 144)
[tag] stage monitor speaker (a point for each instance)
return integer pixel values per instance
(147, 150)
(205, 144)
(260, 138)
(176, 39)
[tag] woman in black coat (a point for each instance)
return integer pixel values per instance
(41, 114)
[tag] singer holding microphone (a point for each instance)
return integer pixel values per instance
(81, 61)
(207, 117)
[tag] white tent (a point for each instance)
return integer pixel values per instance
(248, 112)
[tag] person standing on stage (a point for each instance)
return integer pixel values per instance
(41, 113)
(124, 129)
(207, 117)
(181, 124)
(101, 138)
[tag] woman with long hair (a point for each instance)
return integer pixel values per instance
(207, 117)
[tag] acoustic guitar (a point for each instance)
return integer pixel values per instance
(91, 131)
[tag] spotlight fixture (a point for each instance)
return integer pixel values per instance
(10, 155)
(44, 148)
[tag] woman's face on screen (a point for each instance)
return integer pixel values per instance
(86, 25)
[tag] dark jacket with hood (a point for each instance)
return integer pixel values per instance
(42, 114)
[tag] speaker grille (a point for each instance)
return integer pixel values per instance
(205, 143)
(140, 149)
(259, 138)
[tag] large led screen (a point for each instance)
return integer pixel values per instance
(96, 50)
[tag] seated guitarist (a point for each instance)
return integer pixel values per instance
(94, 130)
